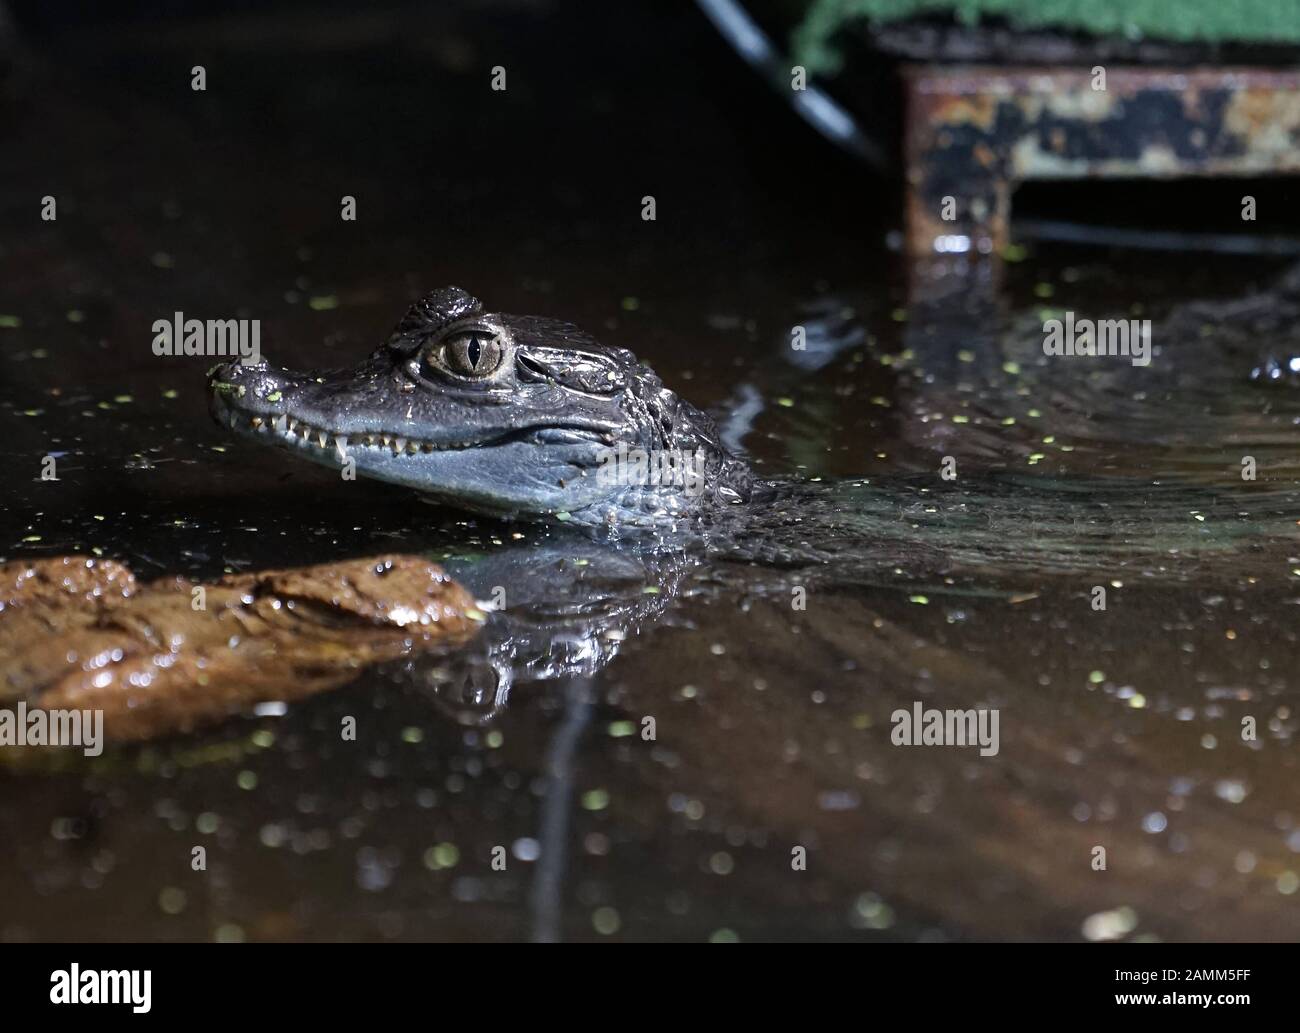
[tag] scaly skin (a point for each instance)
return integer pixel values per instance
(505, 415)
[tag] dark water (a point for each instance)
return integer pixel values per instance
(1119, 729)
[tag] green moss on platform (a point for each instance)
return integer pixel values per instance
(1206, 21)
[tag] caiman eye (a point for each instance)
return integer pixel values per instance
(473, 354)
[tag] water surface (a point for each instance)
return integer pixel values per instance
(1119, 729)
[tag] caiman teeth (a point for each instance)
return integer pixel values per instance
(290, 428)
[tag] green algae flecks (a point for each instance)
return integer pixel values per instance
(595, 800)
(444, 855)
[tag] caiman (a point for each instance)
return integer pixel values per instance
(511, 416)
(517, 417)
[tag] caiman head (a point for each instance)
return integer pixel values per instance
(496, 414)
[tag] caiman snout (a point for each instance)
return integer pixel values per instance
(251, 388)
(236, 373)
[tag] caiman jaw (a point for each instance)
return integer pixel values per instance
(291, 430)
(256, 402)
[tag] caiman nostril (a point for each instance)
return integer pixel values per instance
(223, 371)
(236, 368)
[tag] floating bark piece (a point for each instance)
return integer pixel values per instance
(80, 633)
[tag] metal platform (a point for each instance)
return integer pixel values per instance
(974, 133)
